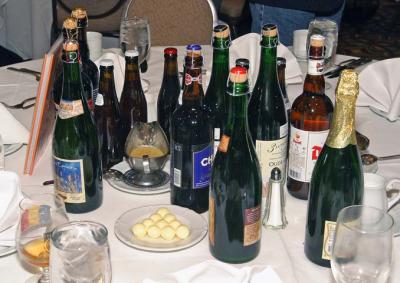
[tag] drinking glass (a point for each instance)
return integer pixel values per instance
(80, 253)
(362, 248)
(329, 30)
(135, 35)
(40, 214)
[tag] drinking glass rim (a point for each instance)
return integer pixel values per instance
(79, 222)
(362, 231)
(136, 20)
(27, 197)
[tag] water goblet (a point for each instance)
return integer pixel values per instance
(362, 248)
(40, 214)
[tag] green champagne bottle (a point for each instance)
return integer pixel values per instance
(214, 102)
(267, 112)
(236, 185)
(337, 179)
(76, 150)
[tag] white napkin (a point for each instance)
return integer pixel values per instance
(11, 130)
(248, 46)
(380, 88)
(114, 54)
(10, 196)
(213, 271)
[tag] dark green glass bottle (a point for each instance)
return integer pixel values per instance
(236, 184)
(191, 140)
(337, 179)
(169, 92)
(267, 112)
(108, 117)
(69, 31)
(76, 150)
(214, 101)
(88, 67)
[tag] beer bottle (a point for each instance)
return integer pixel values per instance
(236, 184)
(214, 101)
(337, 179)
(133, 103)
(191, 141)
(88, 67)
(76, 150)
(281, 66)
(310, 117)
(107, 117)
(169, 92)
(267, 113)
(69, 31)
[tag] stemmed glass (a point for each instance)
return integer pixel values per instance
(39, 215)
(362, 248)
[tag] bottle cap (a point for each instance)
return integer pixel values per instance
(170, 51)
(71, 45)
(238, 75)
(79, 13)
(70, 23)
(276, 174)
(193, 47)
(317, 40)
(281, 61)
(221, 31)
(131, 53)
(242, 62)
(269, 30)
(106, 63)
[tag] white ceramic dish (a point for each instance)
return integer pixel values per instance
(196, 223)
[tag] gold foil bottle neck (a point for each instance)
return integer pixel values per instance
(79, 13)
(343, 132)
(70, 23)
(221, 31)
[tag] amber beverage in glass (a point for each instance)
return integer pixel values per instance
(310, 121)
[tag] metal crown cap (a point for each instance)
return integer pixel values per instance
(106, 63)
(131, 53)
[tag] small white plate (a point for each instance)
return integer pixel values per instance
(11, 148)
(196, 223)
(4, 250)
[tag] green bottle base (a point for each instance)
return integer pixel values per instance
(239, 257)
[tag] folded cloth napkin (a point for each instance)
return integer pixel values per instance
(11, 130)
(213, 271)
(248, 46)
(114, 54)
(380, 88)
(10, 196)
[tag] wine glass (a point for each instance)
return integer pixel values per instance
(135, 35)
(39, 215)
(362, 248)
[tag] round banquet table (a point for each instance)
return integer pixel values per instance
(282, 249)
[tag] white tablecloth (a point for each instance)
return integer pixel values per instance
(283, 249)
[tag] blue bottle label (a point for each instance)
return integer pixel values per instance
(69, 180)
(202, 162)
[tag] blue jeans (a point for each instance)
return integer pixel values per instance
(287, 20)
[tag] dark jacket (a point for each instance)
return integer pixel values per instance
(315, 6)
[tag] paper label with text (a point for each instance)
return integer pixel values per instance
(329, 236)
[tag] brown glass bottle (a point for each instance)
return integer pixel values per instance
(169, 92)
(281, 67)
(310, 120)
(107, 116)
(133, 103)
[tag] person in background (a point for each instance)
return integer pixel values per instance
(291, 15)
(8, 57)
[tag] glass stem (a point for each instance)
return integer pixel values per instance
(45, 278)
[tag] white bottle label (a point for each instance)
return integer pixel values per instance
(304, 149)
(315, 67)
(99, 100)
(271, 154)
(329, 236)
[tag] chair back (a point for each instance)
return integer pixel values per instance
(176, 22)
(104, 16)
